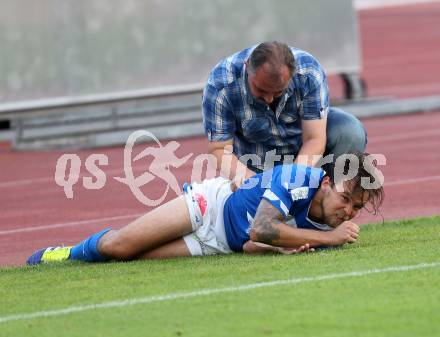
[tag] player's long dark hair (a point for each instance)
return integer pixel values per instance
(367, 170)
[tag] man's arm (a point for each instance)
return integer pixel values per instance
(315, 107)
(269, 228)
(227, 162)
(219, 123)
(314, 140)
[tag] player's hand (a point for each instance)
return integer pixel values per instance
(252, 247)
(288, 251)
(346, 232)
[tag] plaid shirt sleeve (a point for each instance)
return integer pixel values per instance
(315, 104)
(313, 86)
(218, 118)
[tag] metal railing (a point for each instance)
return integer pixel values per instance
(105, 119)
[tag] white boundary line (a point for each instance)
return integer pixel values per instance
(67, 224)
(208, 292)
(22, 182)
(404, 136)
(410, 181)
(133, 216)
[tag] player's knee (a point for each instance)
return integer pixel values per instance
(114, 247)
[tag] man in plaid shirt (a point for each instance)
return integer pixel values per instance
(269, 104)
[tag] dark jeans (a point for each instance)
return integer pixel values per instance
(345, 134)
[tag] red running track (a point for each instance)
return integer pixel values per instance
(400, 51)
(36, 213)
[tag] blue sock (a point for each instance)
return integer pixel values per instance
(87, 250)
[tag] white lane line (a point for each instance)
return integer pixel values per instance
(411, 181)
(67, 224)
(133, 216)
(24, 182)
(208, 292)
(404, 136)
(373, 140)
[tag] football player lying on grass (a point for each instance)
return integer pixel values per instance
(289, 209)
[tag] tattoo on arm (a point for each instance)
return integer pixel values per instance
(264, 227)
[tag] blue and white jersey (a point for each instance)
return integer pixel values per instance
(289, 188)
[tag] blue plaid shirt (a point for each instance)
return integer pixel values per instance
(231, 112)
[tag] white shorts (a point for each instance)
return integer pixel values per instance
(205, 204)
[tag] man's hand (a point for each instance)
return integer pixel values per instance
(346, 232)
(229, 165)
(233, 186)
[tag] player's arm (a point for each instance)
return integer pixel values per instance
(269, 228)
(251, 247)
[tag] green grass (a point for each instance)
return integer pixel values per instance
(404, 303)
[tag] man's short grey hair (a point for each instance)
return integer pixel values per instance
(277, 54)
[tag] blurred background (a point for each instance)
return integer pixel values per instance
(74, 48)
(87, 73)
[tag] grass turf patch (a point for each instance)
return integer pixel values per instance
(402, 303)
